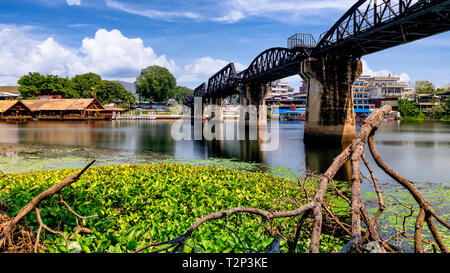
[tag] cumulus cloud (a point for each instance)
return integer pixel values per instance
(109, 54)
(203, 68)
(113, 54)
(404, 77)
(73, 2)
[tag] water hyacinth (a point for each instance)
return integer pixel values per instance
(137, 204)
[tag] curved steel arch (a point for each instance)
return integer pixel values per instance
(268, 61)
(367, 17)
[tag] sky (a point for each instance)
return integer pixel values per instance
(192, 39)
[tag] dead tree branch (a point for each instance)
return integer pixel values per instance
(424, 205)
(353, 152)
(6, 235)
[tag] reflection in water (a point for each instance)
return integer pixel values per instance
(319, 157)
(419, 151)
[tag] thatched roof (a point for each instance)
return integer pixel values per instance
(61, 104)
(6, 104)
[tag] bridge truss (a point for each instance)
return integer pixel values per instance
(367, 27)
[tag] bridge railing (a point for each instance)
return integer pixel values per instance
(367, 14)
(301, 40)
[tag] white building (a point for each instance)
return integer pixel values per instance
(280, 91)
(386, 87)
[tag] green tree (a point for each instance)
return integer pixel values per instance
(83, 84)
(34, 84)
(155, 83)
(408, 108)
(181, 92)
(446, 106)
(114, 92)
(424, 87)
(30, 84)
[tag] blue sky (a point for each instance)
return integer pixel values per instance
(193, 39)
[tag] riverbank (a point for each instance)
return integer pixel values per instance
(422, 119)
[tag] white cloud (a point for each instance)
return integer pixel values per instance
(404, 77)
(112, 54)
(294, 81)
(73, 2)
(151, 13)
(109, 54)
(231, 11)
(203, 68)
(231, 17)
(285, 10)
(20, 54)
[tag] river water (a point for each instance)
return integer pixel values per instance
(419, 151)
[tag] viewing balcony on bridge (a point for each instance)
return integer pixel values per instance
(301, 40)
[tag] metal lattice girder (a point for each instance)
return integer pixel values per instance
(200, 91)
(363, 28)
(274, 63)
(223, 82)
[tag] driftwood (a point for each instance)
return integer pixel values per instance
(359, 215)
(9, 226)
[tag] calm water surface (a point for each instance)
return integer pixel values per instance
(419, 151)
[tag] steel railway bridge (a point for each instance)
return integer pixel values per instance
(332, 64)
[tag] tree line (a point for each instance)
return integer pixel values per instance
(87, 85)
(427, 87)
(154, 84)
(410, 111)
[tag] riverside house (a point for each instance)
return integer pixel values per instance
(14, 110)
(55, 109)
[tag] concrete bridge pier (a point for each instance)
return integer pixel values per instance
(218, 110)
(329, 112)
(254, 94)
(197, 110)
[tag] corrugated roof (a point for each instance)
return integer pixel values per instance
(10, 89)
(113, 108)
(58, 104)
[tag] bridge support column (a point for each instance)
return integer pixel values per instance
(329, 114)
(254, 94)
(197, 110)
(218, 115)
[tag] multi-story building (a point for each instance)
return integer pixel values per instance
(302, 96)
(361, 98)
(385, 87)
(280, 91)
(385, 90)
